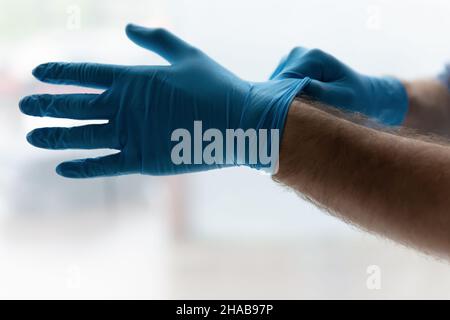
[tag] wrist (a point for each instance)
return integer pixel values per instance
(429, 106)
(270, 102)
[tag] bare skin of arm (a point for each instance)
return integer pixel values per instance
(429, 107)
(392, 185)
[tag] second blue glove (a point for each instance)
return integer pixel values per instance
(381, 98)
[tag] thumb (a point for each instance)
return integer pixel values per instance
(160, 41)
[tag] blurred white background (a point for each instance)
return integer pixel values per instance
(225, 234)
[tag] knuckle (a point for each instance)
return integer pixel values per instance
(192, 51)
(316, 53)
(297, 51)
(160, 33)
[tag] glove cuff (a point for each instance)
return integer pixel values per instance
(271, 101)
(391, 101)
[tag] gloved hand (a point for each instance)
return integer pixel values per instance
(334, 83)
(145, 105)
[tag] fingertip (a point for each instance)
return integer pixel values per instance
(59, 170)
(315, 89)
(38, 138)
(39, 71)
(30, 137)
(130, 31)
(67, 170)
(132, 28)
(24, 104)
(34, 138)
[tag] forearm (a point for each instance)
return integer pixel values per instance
(429, 107)
(392, 185)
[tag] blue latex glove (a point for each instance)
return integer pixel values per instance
(334, 83)
(145, 104)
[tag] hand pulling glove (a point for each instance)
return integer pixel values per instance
(332, 82)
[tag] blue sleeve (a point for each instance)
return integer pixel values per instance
(444, 77)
